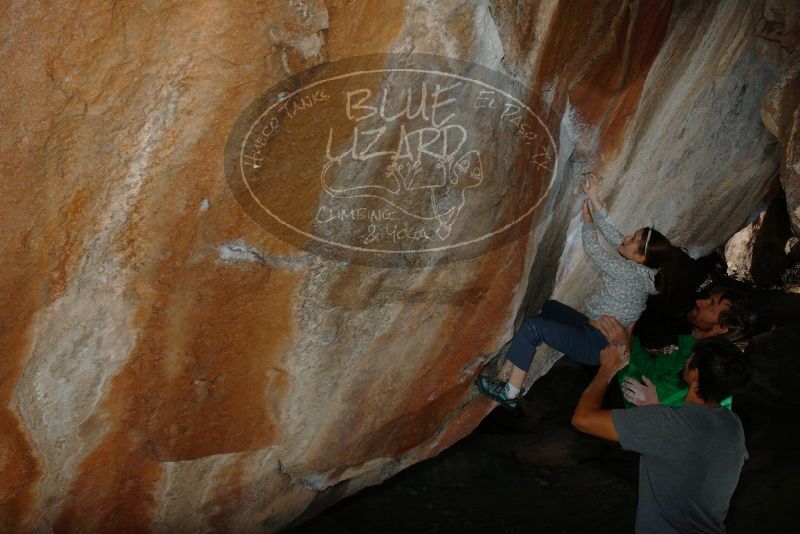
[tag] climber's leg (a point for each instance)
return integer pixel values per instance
(581, 343)
(552, 309)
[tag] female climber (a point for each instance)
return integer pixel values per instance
(628, 278)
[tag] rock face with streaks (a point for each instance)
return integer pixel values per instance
(779, 30)
(781, 113)
(169, 365)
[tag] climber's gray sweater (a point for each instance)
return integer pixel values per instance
(626, 284)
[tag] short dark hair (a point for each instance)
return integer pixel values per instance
(655, 248)
(739, 317)
(722, 368)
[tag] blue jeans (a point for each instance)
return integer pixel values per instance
(562, 328)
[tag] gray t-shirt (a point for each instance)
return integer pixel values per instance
(691, 460)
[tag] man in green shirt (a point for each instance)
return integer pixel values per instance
(725, 312)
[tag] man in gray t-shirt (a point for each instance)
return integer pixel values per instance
(690, 464)
(691, 456)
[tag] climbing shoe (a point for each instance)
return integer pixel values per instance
(496, 390)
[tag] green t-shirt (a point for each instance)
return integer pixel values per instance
(665, 371)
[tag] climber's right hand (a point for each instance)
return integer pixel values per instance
(587, 215)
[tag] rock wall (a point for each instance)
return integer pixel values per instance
(781, 114)
(780, 27)
(170, 366)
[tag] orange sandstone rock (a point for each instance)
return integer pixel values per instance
(169, 365)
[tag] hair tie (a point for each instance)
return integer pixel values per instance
(647, 241)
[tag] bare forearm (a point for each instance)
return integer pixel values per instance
(589, 416)
(592, 398)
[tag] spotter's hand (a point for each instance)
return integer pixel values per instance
(614, 357)
(640, 394)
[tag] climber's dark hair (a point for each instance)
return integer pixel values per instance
(655, 248)
(739, 317)
(722, 368)
(675, 279)
(658, 254)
